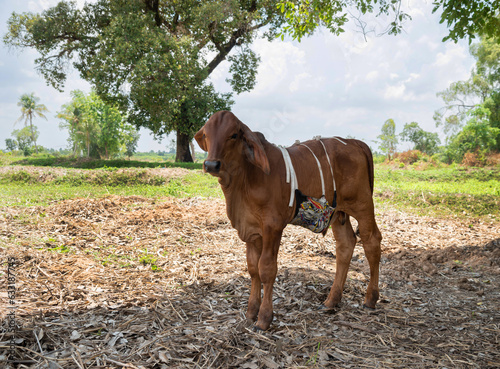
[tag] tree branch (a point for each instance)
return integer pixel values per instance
(233, 41)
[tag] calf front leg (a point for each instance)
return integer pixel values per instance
(254, 250)
(268, 267)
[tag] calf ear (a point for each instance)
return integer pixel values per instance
(255, 153)
(200, 138)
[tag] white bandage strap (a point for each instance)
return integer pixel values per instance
(319, 167)
(329, 163)
(291, 177)
(338, 139)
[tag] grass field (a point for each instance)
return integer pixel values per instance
(449, 191)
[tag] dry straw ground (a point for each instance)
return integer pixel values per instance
(88, 296)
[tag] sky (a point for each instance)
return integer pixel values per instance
(325, 85)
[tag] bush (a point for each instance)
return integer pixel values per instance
(474, 159)
(408, 157)
(493, 159)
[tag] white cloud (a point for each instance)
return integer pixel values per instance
(431, 43)
(453, 54)
(41, 5)
(395, 91)
(295, 84)
(372, 76)
(277, 58)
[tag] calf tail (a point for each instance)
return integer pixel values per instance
(369, 162)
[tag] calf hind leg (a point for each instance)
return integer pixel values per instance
(345, 242)
(371, 238)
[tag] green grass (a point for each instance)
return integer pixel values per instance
(68, 161)
(449, 191)
(28, 193)
(446, 191)
(448, 174)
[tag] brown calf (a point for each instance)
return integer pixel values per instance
(252, 175)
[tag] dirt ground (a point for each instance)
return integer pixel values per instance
(87, 295)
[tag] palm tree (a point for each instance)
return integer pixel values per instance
(29, 109)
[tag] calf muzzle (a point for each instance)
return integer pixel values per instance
(212, 166)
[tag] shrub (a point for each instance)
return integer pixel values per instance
(409, 157)
(493, 159)
(474, 159)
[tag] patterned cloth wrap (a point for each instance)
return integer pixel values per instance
(313, 214)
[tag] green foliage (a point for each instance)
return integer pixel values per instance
(481, 90)
(10, 144)
(426, 142)
(149, 259)
(305, 16)
(151, 58)
(469, 18)
(95, 127)
(477, 136)
(388, 138)
(30, 108)
(465, 19)
(109, 177)
(243, 70)
(25, 137)
(63, 249)
(131, 139)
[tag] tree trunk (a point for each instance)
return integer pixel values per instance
(193, 153)
(183, 154)
(33, 134)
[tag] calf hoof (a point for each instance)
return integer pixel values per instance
(257, 329)
(368, 307)
(324, 309)
(264, 322)
(252, 314)
(260, 327)
(371, 299)
(331, 303)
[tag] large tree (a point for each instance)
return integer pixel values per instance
(426, 142)
(96, 128)
(25, 138)
(388, 138)
(482, 89)
(152, 57)
(31, 108)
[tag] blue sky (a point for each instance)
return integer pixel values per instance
(326, 85)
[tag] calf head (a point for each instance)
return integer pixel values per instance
(230, 144)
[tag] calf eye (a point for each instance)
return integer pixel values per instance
(235, 136)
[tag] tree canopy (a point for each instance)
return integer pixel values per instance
(482, 90)
(426, 142)
(464, 19)
(95, 127)
(30, 108)
(151, 57)
(25, 137)
(388, 138)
